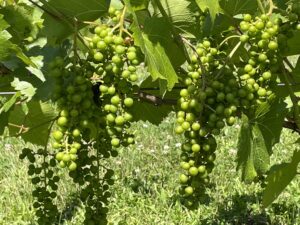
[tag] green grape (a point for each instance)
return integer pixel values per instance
(128, 102)
(57, 135)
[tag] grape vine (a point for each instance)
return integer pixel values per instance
(215, 69)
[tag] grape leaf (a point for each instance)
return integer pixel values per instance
(158, 62)
(162, 34)
(253, 157)
(139, 4)
(9, 104)
(25, 88)
(261, 155)
(19, 18)
(35, 124)
(235, 7)
(212, 5)
(279, 178)
(149, 112)
(181, 16)
(293, 45)
(269, 117)
(3, 121)
(245, 153)
(59, 25)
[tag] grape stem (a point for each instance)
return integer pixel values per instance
(261, 7)
(157, 101)
(292, 126)
(228, 38)
(272, 7)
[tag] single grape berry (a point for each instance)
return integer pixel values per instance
(57, 135)
(128, 102)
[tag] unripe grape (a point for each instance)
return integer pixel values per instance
(76, 133)
(72, 166)
(179, 130)
(115, 142)
(62, 121)
(119, 120)
(59, 156)
(244, 38)
(273, 45)
(185, 166)
(195, 147)
(66, 158)
(133, 77)
(115, 100)
(196, 126)
(128, 116)
(111, 90)
(247, 17)
(57, 135)
(193, 171)
(98, 56)
(189, 190)
(183, 178)
(128, 102)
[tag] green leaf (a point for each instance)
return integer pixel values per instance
(37, 72)
(157, 61)
(253, 156)
(235, 7)
(149, 112)
(261, 155)
(19, 17)
(9, 104)
(61, 26)
(245, 153)
(181, 14)
(269, 118)
(293, 45)
(162, 34)
(36, 123)
(25, 88)
(139, 4)
(279, 178)
(212, 5)
(5, 45)
(3, 121)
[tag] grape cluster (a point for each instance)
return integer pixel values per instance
(260, 72)
(94, 179)
(207, 104)
(74, 95)
(45, 181)
(117, 63)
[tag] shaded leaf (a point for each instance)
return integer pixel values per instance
(279, 178)
(212, 5)
(139, 4)
(162, 34)
(261, 155)
(245, 153)
(61, 26)
(293, 45)
(149, 112)
(36, 123)
(181, 16)
(269, 118)
(235, 7)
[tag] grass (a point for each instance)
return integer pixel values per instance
(145, 191)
